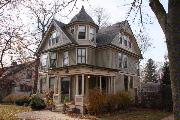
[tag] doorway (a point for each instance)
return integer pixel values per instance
(65, 89)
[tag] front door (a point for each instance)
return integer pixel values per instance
(65, 89)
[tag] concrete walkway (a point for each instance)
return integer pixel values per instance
(44, 115)
(171, 117)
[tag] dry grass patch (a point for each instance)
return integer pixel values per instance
(7, 112)
(139, 114)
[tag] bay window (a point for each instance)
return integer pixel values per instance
(81, 55)
(82, 32)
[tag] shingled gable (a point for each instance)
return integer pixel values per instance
(106, 35)
(62, 27)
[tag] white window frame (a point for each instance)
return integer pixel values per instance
(85, 32)
(65, 52)
(77, 55)
(50, 59)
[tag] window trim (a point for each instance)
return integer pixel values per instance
(77, 55)
(85, 32)
(53, 59)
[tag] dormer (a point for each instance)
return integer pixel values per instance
(83, 29)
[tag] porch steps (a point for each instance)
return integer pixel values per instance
(58, 108)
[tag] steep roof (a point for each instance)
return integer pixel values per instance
(107, 34)
(63, 28)
(82, 16)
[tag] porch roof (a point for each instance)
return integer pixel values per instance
(83, 69)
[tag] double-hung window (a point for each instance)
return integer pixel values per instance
(43, 60)
(125, 61)
(125, 41)
(53, 59)
(92, 34)
(54, 38)
(66, 59)
(82, 32)
(81, 55)
(120, 57)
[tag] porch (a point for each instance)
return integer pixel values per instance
(76, 88)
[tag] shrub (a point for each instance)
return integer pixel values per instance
(37, 103)
(99, 102)
(22, 100)
(124, 100)
(1, 98)
(96, 102)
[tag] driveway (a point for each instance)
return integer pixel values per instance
(44, 115)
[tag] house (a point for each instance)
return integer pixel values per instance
(78, 56)
(18, 78)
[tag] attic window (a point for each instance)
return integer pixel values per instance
(130, 45)
(82, 32)
(54, 38)
(120, 40)
(72, 30)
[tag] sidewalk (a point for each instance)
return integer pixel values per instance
(171, 117)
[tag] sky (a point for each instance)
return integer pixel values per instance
(117, 10)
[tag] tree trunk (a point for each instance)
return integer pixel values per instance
(173, 45)
(36, 74)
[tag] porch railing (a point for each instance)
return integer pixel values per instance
(79, 100)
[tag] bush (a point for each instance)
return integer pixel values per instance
(37, 103)
(99, 102)
(96, 102)
(1, 98)
(22, 100)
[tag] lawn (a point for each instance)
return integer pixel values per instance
(7, 112)
(139, 114)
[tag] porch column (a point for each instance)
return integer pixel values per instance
(82, 84)
(59, 90)
(109, 85)
(112, 84)
(77, 85)
(100, 85)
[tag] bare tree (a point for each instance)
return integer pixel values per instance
(101, 17)
(170, 23)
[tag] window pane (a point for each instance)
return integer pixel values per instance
(79, 52)
(83, 52)
(82, 32)
(53, 55)
(79, 59)
(120, 60)
(66, 58)
(83, 59)
(81, 28)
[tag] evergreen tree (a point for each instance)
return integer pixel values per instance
(166, 74)
(150, 71)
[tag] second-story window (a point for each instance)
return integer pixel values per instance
(82, 32)
(53, 59)
(66, 59)
(81, 55)
(43, 60)
(125, 41)
(120, 57)
(92, 34)
(125, 61)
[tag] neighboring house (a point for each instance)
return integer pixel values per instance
(18, 78)
(77, 57)
(150, 94)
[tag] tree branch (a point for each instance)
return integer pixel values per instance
(160, 13)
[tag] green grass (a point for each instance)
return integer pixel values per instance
(139, 114)
(7, 112)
